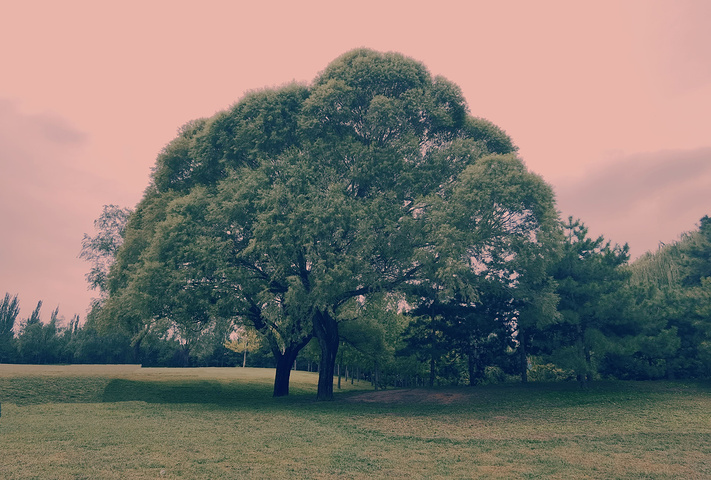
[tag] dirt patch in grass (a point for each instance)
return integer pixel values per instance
(410, 396)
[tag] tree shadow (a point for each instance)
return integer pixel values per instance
(197, 391)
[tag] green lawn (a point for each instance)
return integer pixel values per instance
(118, 422)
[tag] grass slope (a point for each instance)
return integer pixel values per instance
(116, 422)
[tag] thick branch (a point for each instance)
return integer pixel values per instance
(345, 296)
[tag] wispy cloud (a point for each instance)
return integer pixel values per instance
(642, 199)
(41, 208)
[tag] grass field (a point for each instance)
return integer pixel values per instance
(118, 422)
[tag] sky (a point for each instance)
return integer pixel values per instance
(610, 102)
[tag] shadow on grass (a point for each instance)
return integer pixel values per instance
(193, 391)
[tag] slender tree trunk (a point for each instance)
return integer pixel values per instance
(471, 364)
(326, 331)
(432, 370)
(582, 377)
(523, 359)
(376, 376)
(244, 359)
(432, 358)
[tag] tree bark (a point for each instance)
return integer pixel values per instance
(283, 373)
(326, 331)
(285, 361)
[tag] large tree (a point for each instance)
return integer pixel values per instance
(296, 203)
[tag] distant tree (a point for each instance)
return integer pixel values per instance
(100, 249)
(426, 336)
(244, 341)
(371, 332)
(9, 310)
(673, 306)
(594, 310)
(482, 333)
(31, 338)
(66, 336)
(697, 251)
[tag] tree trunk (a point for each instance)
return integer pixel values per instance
(244, 359)
(471, 364)
(523, 358)
(378, 382)
(283, 373)
(285, 360)
(432, 370)
(582, 377)
(432, 358)
(326, 331)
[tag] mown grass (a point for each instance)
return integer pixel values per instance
(127, 422)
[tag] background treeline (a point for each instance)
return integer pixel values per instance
(648, 319)
(59, 341)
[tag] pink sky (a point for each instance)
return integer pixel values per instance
(610, 101)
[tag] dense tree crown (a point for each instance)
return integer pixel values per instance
(291, 210)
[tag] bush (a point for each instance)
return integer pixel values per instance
(549, 373)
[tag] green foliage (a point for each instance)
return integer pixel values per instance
(9, 310)
(548, 372)
(280, 212)
(673, 308)
(593, 303)
(101, 249)
(493, 234)
(698, 254)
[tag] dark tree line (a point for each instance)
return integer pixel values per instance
(61, 341)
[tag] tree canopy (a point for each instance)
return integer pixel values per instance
(289, 210)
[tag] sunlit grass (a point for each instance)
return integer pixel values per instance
(127, 422)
